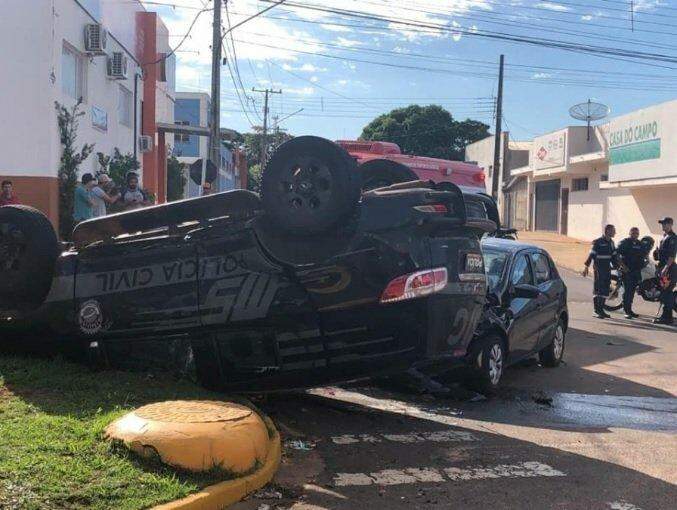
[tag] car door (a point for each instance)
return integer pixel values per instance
(523, 311)
(549, 298)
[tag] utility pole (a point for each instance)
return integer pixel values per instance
(215, 131)
(264, 135)
(497, 140)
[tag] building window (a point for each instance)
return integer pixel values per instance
(72, 72)
(604, 177)
(579, 184)
(182, 137)
(125, 107)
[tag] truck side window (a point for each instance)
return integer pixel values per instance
(521, 271)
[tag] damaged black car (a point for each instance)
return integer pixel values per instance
(313, 281)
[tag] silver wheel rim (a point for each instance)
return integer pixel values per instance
(558, 342)
(495, 364)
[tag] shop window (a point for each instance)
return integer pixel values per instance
(72, 72)
(125, 107)
(580, 184)
(182, 137)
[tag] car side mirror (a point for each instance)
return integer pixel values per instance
(524, 290)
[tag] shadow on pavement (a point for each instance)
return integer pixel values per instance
(585, 349)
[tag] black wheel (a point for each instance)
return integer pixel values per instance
(489, 362)
(615, 300)
(28, 250)
(379, 173)
(309, 185)
(551, 356)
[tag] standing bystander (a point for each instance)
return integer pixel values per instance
(83, 203)
(7, 195)
(100, 198)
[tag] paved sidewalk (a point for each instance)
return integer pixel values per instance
(566, 251)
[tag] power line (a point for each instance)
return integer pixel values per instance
(474, 63)
(458, 73)
(550, 43)
(185, 36)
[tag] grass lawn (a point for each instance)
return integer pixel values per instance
(52, 452)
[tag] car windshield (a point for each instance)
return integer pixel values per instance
(494, 266)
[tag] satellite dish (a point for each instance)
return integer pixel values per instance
(588, 112)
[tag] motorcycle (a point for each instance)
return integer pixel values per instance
(649, 288)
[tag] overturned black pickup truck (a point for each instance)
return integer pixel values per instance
(314, 281)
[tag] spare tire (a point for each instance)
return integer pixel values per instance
(28, 251)
(380, 173)
(309, 185)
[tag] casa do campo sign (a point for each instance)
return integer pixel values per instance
(635, 142)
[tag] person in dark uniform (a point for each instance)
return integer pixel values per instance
(630, 260)
(603, 252)
(667, 270)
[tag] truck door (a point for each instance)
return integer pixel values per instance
(147, 286)
(257, 319)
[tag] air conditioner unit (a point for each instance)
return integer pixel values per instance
(95, 39)
(145, 143)
(117, 66)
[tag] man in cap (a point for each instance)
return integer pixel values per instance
(667, 270)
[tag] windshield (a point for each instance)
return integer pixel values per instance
(494, 266)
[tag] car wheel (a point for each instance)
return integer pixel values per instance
(615, 300)
(309, 185)
(379, 173)
(551, 356)
(490, 362)
(28, 251)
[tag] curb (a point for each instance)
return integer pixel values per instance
(223, 494)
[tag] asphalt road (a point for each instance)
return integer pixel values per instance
(597, 432)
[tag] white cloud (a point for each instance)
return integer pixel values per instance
(541, 76)
(347, 43)
(305, 68)
(551, 6)
(303, 91)
(587, 17)
(314, 79)
(336, 28)
(343, 83)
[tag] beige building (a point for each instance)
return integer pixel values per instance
(577, 180)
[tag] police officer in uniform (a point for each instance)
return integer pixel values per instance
(603, 252)
(667, 269)
(631, 260)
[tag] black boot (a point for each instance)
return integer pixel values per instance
(599, 308)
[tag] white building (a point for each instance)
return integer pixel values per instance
(44, 59)
(622, 172)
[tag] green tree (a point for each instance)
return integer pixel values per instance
(119, 165)
(71, 158)
(176, 179)
(252, 144)
(426, 131)
(254, 178)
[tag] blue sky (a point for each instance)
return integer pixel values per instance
(318, 60)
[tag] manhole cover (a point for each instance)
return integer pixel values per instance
(184, 411)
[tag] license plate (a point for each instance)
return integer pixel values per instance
(474, 263)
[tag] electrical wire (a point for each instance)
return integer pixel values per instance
(185, 36)
(536, 41)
